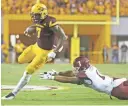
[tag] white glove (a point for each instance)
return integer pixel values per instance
(47, 76)
(53, 72)
(51, 55)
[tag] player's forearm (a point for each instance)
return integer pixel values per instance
(67, 74)
(62, 37)
(59, 45)
(61, 33)
(64, 79)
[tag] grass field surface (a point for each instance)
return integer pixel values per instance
(72, 95)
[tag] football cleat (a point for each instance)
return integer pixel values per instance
(10, 96)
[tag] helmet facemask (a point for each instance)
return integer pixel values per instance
(76, 70)
(36, 17)
(81, 64)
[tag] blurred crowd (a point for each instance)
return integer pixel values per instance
(115, 54)
(67, 6)
(10, 54)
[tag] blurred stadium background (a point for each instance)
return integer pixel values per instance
(102, 43)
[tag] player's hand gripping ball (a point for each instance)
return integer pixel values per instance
(30, 36)
(30, 31)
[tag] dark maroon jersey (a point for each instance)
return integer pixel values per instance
(46, 36)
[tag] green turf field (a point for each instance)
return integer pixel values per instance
(74, 95)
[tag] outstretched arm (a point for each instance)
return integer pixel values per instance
(62, 36)
(64, 79)
(67, 74)
(55, 73)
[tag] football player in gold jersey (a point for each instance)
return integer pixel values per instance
(46, 27)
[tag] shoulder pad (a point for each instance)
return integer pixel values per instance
(52, 21)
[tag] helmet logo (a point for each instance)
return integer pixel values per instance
(79, 63)
(40, 8)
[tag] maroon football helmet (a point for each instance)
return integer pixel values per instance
(81, 63)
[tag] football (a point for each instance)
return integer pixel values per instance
(30, 36)
(30, 31)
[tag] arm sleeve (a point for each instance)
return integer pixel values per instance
(64, 79)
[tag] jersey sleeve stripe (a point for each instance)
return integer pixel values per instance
(52, 24)
(41, 26)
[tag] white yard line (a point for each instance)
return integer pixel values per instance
(33, 87)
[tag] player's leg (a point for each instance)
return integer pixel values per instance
(125, 83)
(37, 62)
(124, 89)
(26, 56)
(23, 81)
(121, 91)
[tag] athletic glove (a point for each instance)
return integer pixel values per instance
(46, 76)
(51, 55)
(53, 72)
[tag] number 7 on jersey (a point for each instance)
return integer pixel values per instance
(38, 32)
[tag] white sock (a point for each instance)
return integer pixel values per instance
(23, 81)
